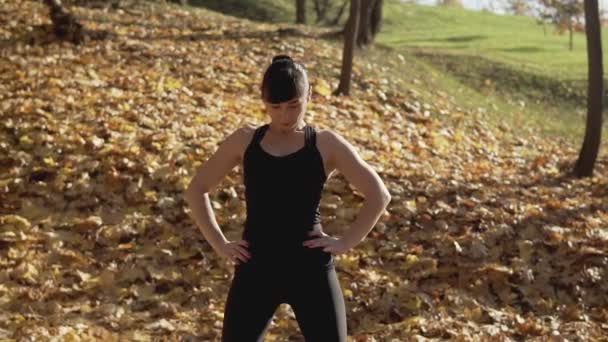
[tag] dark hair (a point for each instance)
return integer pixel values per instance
(284, 80)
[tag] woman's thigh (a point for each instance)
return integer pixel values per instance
(250, 306)
(318, 304)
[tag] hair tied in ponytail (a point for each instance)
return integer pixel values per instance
(281, 58)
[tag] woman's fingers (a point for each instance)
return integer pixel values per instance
(322, 242)
(243, 252)
(243, 243)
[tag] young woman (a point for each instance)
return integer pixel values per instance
(284, 255)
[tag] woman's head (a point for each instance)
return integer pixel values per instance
(285, 90)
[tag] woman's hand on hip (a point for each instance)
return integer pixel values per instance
(327, 242)
(235, 251)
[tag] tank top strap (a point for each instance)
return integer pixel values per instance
(309, 136)
(259, 133)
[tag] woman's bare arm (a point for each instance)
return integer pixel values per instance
(208, 176)
(365, 179)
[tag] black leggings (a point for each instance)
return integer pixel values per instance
(313, 293)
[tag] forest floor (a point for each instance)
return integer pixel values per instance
(487, 236)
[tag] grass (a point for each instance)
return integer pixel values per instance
(523, 76)
(430, 82)
(517, 41)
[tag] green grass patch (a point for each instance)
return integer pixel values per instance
(514, 40)
(503, 63)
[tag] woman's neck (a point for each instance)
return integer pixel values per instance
(287, 132)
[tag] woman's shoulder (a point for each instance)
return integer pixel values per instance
(333, 143)
(248, 129)
(328, 137)
(245, 134)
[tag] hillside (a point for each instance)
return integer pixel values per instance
(486, 234)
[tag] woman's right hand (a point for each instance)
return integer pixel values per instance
(235, 251)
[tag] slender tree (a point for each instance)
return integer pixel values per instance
(543, 16)
(565, 13)
(349, 49)
(595, 91)
(338, 16)
(301, 11)
(370, 20)
(321, 8)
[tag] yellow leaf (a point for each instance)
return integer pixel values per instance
(26, 272)
(172, 83)
(137, 336)
(71, 337)
(411, 206)
(25, 141)
(14, 222)
(116, 93)
(412, 304)
(411, 322)
(410, 260)
(322, 88)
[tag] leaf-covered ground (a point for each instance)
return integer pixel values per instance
(486, 237)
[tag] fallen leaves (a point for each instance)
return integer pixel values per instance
(484, 235)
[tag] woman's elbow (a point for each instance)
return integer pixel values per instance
(386, 197)
(381, 196)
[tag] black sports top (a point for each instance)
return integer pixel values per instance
(282, 196)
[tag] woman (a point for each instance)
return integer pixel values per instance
(284, 256)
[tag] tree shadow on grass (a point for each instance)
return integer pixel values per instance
(528, 49)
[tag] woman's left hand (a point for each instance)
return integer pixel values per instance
(329, 243)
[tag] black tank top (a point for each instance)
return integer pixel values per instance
(282, 196)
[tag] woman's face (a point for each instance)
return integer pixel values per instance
(288, 114)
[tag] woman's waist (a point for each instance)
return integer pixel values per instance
(285, 241)
(277, 241)
(289, 224)
(286, 254)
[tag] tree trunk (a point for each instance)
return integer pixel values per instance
(376, 18)
(364, 34)
(349, 49)
(321, 7)
(369, 22)
(571, 29)
(65, 26)
(336, 20)
(595, 90)
(301, 11)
